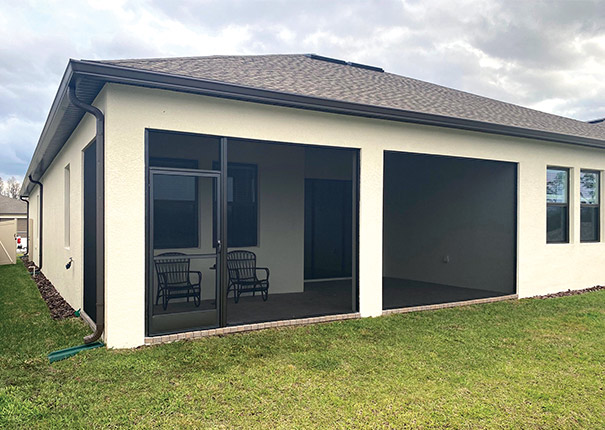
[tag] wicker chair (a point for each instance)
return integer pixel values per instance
(174, 279)
(243, 275)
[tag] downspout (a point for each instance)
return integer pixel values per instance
(41, 211)
(26, 224)
(100, 209)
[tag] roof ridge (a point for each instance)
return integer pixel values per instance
(296, 81)
(300, 74)
(193, 57)
(395, 75)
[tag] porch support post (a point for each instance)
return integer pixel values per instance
(355, 231)
(370, 230)
(223, 235)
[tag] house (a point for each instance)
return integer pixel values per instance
(14, 209)
(362, 192)
(13, 228)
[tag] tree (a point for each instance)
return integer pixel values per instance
(13, 186)
(1, 186)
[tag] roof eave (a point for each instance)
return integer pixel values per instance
(126, 75)
(49, 125)
(145, 78)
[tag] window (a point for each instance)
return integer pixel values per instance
(66, 208)
(589, 205)
(242, 204)
(557, 205)
(175, 206)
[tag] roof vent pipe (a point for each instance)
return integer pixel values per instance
(100, 209)
(41, 213)
(26, 225)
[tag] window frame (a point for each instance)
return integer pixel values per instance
(180, 163)
(589, 205)
(563, 205)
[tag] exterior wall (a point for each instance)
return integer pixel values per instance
(281, 210)
(69, 283)
(34, 233)
(21, 220)
(280, 170)
(129, 111)
(8, 247)
(22, 226)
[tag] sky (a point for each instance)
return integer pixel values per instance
(546, 55)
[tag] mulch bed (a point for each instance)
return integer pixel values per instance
(58, 307)
(570, 292)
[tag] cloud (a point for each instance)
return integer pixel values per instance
(542, 54)
(18, 138)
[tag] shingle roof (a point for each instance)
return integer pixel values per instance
(12, 206)
(302, 75)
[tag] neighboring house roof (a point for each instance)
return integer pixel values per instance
(308, 82)
(9, 206)
(600, 121)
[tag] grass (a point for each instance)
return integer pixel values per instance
(530, 364)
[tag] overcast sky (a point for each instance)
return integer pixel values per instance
(548, 55)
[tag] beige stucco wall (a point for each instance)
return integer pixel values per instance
(542, 268)
(20, 219)
(34, 233)
(69, 283)
(281, 210)
(8, 246)
(129, 112)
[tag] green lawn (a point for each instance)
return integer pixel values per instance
(529, 364)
